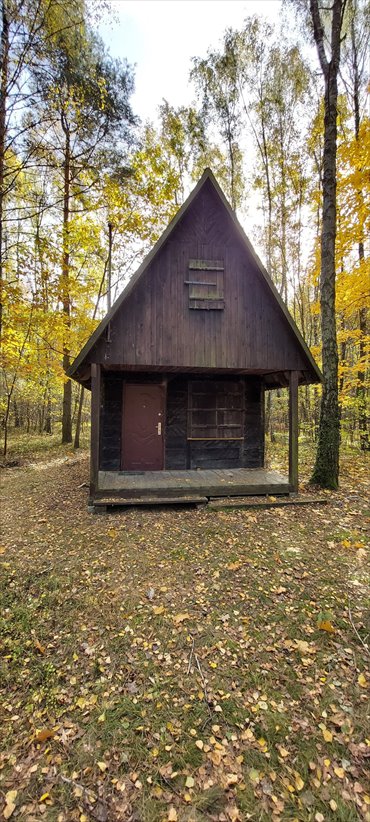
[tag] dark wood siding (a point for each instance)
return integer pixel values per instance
(155, 327)
(254, 431)
(176, 422)
(180, 453)
(110, 442)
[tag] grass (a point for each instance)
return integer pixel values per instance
(34, 447)
(219, 699)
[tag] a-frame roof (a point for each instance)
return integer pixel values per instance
(206, 176)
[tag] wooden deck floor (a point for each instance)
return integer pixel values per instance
(200, 483)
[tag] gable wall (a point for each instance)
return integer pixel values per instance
(155, 327)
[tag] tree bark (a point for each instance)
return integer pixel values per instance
(363, 421)
(47, 420)
(65, 294)
(326, 470)
(3, 96)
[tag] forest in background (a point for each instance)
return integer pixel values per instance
(74, 160)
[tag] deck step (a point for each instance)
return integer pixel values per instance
(108, 502)
(218, 503)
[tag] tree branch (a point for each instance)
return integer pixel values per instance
(318, 32)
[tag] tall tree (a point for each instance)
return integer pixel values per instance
(28, 27)
(328, 44)
(356, 63)
(214, 77)
(272, 82)
(86, 95)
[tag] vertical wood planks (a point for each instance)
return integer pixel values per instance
(156, 327)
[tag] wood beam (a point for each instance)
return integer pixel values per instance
(293, 431)
(95, 427)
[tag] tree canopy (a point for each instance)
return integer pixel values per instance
(75, 158)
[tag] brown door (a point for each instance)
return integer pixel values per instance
(143, 422)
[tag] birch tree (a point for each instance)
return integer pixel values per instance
(327, 35)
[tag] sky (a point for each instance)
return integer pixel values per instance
(161, 37)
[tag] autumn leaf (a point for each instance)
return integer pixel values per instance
(40, 648)
(172, 815)
(328, 736)
(10, 798)
(302, 646)
(102, 766)
(254, 776)
(46, 733)
(299, 783)
(233, 813)
(325, 625)
(231, 779)
(362, 681)
(178, 618)
(158, 609)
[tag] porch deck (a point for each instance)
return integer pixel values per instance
(200, 483)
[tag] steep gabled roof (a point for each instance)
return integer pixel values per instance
(207, 175)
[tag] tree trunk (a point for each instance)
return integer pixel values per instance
(363, 422)
(66, 305)
(326, 470)
(6, 424)
(17, 421)
(3, 95)
(47, 420)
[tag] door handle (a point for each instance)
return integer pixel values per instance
(159, 429)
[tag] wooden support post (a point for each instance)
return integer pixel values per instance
(95, 428)
(293, 431)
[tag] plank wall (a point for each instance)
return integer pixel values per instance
(155, 326)
(180, 453)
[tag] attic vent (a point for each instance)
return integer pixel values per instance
(206, 284)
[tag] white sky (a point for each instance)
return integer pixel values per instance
(161, 37)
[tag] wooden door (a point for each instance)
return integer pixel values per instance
(143, 427)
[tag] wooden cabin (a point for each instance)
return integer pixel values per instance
(179, 367)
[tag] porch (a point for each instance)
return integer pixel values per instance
(187, 486)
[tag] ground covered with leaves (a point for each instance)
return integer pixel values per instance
(182, 664)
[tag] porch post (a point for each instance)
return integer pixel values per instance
(95, 427)
(293, 431)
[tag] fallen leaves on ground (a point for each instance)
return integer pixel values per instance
(181, 665)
